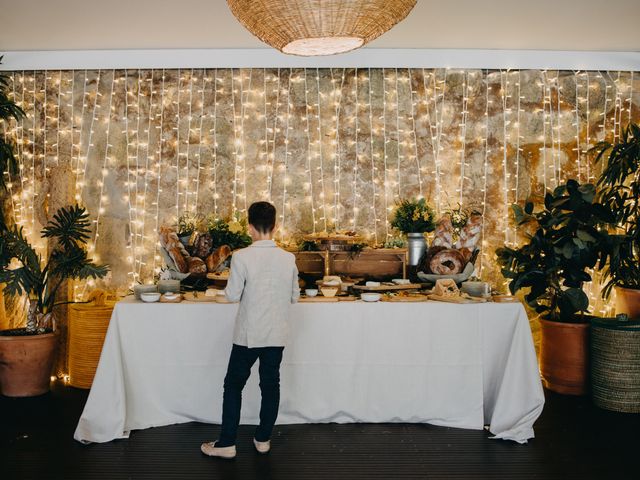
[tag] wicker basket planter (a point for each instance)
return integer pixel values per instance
(87, 329)
(615, 368)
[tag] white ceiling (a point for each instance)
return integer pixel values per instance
(591, 25)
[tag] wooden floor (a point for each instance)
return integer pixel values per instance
(574, 440)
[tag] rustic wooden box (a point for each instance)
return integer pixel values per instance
(369, 263)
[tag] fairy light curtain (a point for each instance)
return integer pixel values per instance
(331, 148)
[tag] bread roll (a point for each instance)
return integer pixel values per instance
(218, 256)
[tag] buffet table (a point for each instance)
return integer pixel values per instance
(445, 364)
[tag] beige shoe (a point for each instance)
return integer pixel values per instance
(262, 447)
(210, 449)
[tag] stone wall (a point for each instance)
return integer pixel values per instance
(331, 148)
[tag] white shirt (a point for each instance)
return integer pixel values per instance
(264, 278)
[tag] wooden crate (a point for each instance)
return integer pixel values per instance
(370, 263)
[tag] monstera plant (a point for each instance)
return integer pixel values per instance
(566, 240)
(8, 110)
(23, 270)
(25, 362)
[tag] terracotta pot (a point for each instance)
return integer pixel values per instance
(628, 301)
(564, 357)
(26, 363)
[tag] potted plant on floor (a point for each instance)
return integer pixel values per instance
(566, 241)
(620, 190)
(27, 354)
(414, 218)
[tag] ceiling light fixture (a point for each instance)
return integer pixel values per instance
(319, 27)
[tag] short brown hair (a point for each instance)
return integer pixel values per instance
(262, 215)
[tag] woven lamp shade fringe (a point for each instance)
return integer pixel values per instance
(87, 329)
(319, 27)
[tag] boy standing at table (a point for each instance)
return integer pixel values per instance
(264, 278)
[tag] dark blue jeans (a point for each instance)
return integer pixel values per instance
(238, 371)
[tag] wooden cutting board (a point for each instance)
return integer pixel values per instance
(200, 297)
(318, 299)
(178, 299)
(389, 298)
(386, 288)
(346, 298)
(440, 298)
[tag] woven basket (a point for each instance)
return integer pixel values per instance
(87, 329)
(319, 27)
(615, 367)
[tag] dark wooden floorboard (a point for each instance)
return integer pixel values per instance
(574, 440)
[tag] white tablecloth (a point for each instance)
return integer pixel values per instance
(446, 364)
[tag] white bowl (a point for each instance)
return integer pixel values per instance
(150, 297)
(372, 284)
(401, 281)
(370, 296)
(311, 292)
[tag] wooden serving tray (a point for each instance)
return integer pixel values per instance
(178, 299)
(440, 298)
(386, 288)
(201, 297)
(346, 298)
(318, 299)
(416, 298)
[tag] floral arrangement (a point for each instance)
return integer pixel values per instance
(231, 232)
(413, 216)
(459, 217)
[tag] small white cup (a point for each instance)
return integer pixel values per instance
(311, 292)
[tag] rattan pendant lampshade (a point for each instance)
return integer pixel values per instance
(319, 27)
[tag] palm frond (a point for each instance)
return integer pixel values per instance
(70, 226)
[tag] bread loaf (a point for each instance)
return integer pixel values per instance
(178, 259)
(470, 233)
(443, 236)
(203, 245)
(196, 265)
(218, 256)
(447, 262)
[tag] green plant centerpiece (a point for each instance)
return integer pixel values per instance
(188, 223)
(24, 271)
(568, 239)
(413, 216)
(619, 186)
(228, 232)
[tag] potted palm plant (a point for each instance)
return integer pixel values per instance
(566, 240)
(620, 190)
(27, 354)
